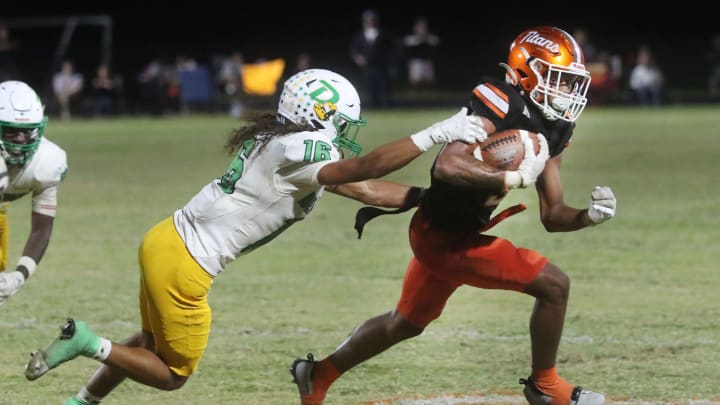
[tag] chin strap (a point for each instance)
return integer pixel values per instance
(510, 74)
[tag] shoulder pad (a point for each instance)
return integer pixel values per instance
(50, 163)
(310, 146)
(496, 100)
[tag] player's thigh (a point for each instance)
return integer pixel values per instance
(174, 295)
(424, 295)
(495, 263)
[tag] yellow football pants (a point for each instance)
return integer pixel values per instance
(4, 236)
(173, 298)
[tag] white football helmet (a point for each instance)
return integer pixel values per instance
(325, 100)
(20, 111)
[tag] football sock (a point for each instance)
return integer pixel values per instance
(324, 374)
(85, 396)
(549, 382)
(103, 350)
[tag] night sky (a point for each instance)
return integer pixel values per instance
(473, 38)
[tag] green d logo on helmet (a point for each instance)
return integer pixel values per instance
(22, 122)
(327, 101)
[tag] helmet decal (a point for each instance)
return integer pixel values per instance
(327, 88)
(325, 100)
(532, 37)
(324, 110)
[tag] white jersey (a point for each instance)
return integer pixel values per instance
(40, 176)
(260, 196)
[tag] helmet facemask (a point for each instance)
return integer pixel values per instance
(20, 153)
(561, 91)
(347, 131)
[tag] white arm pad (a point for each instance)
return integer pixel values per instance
(29, 263)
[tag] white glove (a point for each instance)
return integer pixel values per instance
(10, 283)
(602, 205)
(531, 166)
(459, 127)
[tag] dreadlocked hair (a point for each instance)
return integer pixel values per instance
(262, 129)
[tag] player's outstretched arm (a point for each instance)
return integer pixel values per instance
(380, 193)
(394, 155)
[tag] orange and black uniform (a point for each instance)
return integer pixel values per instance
(446, 231)
(454, 208)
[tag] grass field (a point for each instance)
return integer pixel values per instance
(642, 324)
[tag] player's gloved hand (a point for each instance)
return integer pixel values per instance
(12, 281)
(532, 164)
(602, 205)
(459, 127)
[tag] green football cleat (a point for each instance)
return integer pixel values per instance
(75, 339)
(75, 401)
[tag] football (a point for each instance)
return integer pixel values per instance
(504, 149)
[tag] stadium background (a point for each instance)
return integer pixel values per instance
(474, 37)
(641, 326)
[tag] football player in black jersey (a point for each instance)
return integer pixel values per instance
(544, 91)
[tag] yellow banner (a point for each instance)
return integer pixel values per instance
(260, 79)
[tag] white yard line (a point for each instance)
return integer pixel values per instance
(482, 399)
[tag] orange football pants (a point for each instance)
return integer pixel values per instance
(446, 260)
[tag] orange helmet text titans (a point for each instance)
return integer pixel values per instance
(549, 66)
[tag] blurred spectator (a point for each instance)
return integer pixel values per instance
(375, 52)
(103, 92)
(8, 49)
(67, 85)
(160, 87)
(303, 62)
(230, 79)
(152, 87)
(646, 79)
(195, 85)
(713, 58)
(604, 67)
(588, 47)
(420, 48)
(606, 73)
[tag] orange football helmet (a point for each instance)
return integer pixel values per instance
(549, 65)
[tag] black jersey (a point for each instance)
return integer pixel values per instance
(457, 208)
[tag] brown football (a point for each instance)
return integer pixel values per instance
(504, 149)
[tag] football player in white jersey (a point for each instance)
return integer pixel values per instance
(34, 166)
(281, 166)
